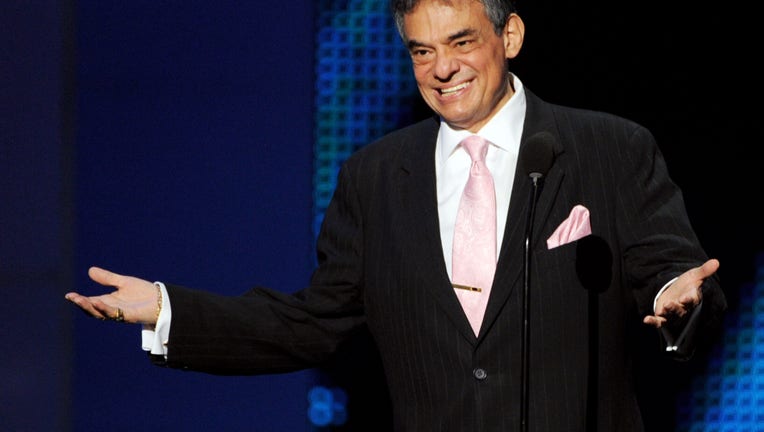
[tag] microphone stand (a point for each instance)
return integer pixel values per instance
(526, 335)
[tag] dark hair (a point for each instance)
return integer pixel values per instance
(497, 11)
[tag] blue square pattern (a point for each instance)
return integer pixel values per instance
(363, 80)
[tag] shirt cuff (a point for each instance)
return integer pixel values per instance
(154, 338)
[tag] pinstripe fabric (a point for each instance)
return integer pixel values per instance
(381, 266)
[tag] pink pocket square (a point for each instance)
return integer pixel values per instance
(575, 227)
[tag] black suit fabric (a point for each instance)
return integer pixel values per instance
(381, 266)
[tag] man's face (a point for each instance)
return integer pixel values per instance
(459, 61)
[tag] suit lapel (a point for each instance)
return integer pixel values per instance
(509, 269)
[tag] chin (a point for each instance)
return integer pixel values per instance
(455, 119)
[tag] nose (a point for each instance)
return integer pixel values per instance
(446, 65)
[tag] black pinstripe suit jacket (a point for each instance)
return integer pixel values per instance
(381, 265)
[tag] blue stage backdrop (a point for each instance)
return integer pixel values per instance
(194, 163)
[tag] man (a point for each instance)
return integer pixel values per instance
(610, 245)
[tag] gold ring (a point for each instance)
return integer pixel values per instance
(120, 316)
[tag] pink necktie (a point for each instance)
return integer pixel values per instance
(474, 254)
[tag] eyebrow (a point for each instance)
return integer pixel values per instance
(413, 43)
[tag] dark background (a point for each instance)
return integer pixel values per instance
(144, 137)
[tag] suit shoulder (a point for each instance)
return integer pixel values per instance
(600, 121)
(582, 125)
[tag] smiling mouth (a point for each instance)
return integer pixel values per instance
(453, 90)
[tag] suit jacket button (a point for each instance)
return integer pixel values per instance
(480, 374)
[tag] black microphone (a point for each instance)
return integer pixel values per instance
(538, 155)
(536, 159)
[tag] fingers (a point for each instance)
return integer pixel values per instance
(691, 299)
(113, 313)
(674, 309)
(86, 305)
(96, 308)
(654, 321)
(109, 306)
(105, 277)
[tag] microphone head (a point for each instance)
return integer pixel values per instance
(538, 154)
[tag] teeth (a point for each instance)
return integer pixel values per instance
(453, 89)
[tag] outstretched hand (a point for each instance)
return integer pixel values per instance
(682, 296)
(134, 300)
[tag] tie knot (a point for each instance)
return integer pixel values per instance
(476, 146)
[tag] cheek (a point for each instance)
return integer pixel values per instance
(420, 74)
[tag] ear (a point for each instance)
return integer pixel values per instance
(514, 32)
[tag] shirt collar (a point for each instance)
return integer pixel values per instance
(503, 130)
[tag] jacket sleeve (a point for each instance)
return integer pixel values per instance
(659, 241)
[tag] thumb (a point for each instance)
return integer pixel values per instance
(709, 268)
(104, 277)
